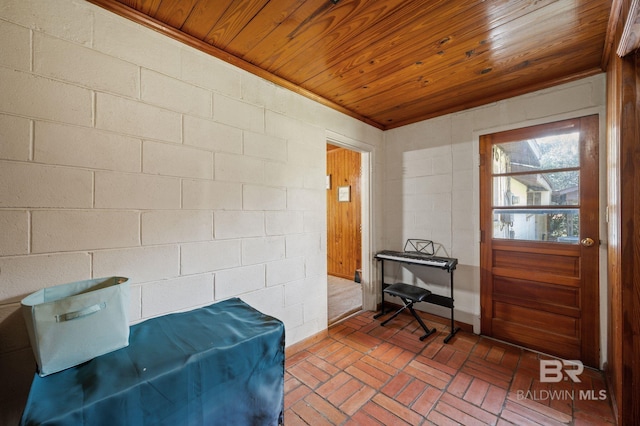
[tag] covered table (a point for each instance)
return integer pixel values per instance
(218, 365)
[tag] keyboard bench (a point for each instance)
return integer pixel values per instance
(409, 294)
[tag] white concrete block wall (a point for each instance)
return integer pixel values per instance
(211, 135)
(265, 146)
(26, 184)
(173, 94)
(135, 191)
(124, 152)
(245, 279)
(87, 69)
(285, 271)
(72, 230)
(210, 256)
(214, 75)
(150, 50)
(132, 117)
(213, 195)
(22, 275)
(176, 160)
(14, 228)
(262, 250)
(258, 197)
(139, 264)
(175, 226)
(21, 89)
(65, 145)
(431, 170)
(284, 222)
(18, 131)
(238, 224)
(238, 113)
(194, 290)
(15, 41)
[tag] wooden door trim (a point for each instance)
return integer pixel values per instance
(486, 306)
(591, 292)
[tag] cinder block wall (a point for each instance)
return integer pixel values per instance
(123, 152)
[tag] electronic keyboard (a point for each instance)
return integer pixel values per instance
(417, 258)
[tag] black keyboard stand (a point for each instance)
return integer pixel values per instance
(434, 299)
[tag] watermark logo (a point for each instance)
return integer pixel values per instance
(554, 371)
(562, 394)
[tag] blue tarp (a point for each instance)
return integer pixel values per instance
(218, 365)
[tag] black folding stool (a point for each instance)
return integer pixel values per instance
(409, 294)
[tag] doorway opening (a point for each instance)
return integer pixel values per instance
(344, 232)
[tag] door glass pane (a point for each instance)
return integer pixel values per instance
(537, 189)
(561, 226)
(551, 152)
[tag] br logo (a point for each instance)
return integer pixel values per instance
(554, 371)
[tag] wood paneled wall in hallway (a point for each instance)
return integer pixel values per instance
(623, 201)
(344, 240)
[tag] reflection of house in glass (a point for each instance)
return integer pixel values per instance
(538, 172)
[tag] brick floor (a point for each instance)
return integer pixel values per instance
(366, 374)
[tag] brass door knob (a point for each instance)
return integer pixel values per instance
(587, 242)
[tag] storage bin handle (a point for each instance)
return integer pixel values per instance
(81, 313)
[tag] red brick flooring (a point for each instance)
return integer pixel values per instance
(366, 374)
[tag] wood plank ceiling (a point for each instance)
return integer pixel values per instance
(392, 62)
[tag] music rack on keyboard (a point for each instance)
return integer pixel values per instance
(419, 258)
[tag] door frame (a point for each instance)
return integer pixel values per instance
(595, 290)
(602, 208)
(369, 296)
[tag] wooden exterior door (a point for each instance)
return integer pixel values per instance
(344, 238)
(539, 238)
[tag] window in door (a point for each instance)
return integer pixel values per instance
(536, 183)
